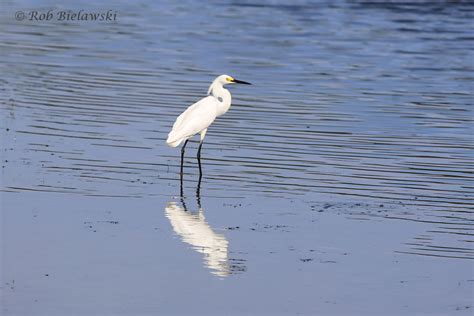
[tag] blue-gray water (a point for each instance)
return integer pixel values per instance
(340, 182)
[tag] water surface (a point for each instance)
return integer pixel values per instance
(339, 183)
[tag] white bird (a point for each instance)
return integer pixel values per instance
(199, 116)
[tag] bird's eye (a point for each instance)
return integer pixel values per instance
(229, 79)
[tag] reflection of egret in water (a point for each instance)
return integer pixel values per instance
(195, 231)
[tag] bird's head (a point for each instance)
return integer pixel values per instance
(226, 79)
(223, 80)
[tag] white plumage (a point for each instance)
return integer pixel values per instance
(195, 119)
(199, 116)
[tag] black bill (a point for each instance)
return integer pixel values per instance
(240, 81)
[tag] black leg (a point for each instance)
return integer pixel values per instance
(198, 191)
(199, 161)
(182, 156)
(182, 166)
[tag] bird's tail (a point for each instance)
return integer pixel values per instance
(172, 141)
(174, 144)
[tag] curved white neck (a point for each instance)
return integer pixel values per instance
(223, 97)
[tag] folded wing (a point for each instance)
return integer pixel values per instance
(192, 121)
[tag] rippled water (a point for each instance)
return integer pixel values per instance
(360, 109)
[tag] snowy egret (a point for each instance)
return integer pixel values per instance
(200, 115)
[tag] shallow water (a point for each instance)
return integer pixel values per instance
(339, 182)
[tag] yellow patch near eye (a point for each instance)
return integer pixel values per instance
(229, 79)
